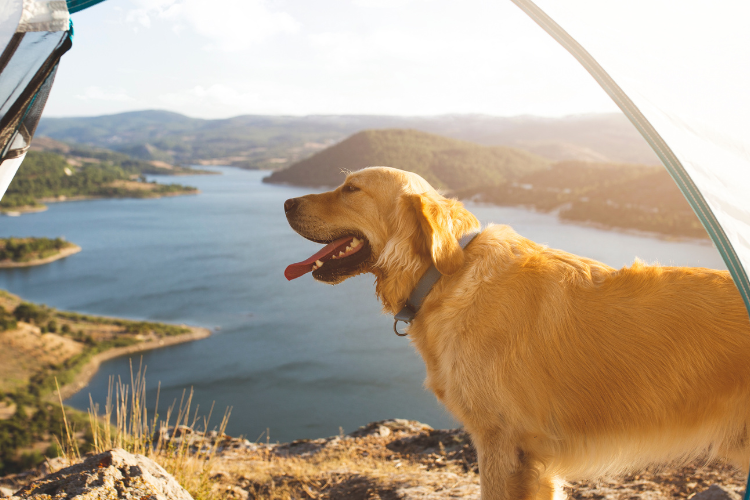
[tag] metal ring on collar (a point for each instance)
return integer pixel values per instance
(395, 328)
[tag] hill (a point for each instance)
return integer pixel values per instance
(79, 154)
(272, 142)
(613, 195)
(445, 163)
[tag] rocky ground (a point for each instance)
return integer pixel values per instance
(396, 459)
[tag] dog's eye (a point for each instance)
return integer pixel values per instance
(350, 188)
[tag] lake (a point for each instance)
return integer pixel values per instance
(300, 358)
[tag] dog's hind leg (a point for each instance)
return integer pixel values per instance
(508, 473)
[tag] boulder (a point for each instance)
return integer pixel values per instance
(112, 474)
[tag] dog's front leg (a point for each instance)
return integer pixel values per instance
(508, 473)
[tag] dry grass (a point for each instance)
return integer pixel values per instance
(126, 424)
(133, 185)
(26, 350)
(383, 460)
(29, 351)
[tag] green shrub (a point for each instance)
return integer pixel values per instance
(7, 321)
(17, 200)
(30, 460)
(31, 313)
(53, 450)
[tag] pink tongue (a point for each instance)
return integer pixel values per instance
(296, 270)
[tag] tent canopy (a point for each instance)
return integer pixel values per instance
(681, 76)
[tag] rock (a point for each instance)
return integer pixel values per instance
(716, 492)
(384, 428)
(112, 474)
(53, 465)
(5, 492)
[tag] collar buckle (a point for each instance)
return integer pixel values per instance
(426, 282)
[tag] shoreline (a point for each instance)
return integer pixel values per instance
(82, 378)
(24, 209)
(65, 252)
(62, 199)
(17, 212)
(639, 232)
(602, 226)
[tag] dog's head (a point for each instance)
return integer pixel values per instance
(380, 220)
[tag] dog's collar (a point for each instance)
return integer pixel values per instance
(425, 284)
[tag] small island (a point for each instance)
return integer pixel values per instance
(26, 252)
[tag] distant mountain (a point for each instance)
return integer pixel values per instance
(77, 155)
(444, 162)
(274, 142)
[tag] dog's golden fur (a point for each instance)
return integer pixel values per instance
(560, 367)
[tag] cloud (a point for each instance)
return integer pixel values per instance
(386, 4)
(220, 99)
(215, 95)
(146, 10)
(231, 25)
(99, 94)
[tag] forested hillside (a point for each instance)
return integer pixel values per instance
(49, 175)
(445, 163)
(614, 195)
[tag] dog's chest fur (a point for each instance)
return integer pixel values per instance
(465, 346)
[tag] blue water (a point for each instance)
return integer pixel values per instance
(300, 358)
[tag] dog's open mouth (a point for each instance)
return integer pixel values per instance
(337, 258)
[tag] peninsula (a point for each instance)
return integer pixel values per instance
(41, 347)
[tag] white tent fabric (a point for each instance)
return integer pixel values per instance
(10, 16)
(681, 72)
(18, 16)
(8, 169)
(44, 15)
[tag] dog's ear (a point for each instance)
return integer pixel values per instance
(440, 219)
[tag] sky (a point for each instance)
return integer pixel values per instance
(223, 58)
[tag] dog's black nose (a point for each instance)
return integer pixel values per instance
(290, 205)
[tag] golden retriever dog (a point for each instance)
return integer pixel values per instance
(559, 367)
